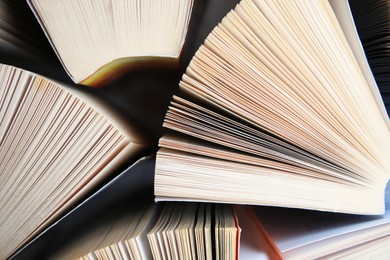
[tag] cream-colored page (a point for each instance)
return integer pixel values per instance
(290, 231)
(342, 11)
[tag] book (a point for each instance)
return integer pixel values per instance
(132, 190)
(97, 41)
(372, 21)
(303, 234)
(61, 230)
(278, 107)
(56, 145)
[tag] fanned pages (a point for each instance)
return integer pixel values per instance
(195, 231)
(55, 145)
(96, 40)
(158, 231)
(285, 114)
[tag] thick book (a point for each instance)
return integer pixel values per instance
(278, 107)
(56, 145)
(97, 41)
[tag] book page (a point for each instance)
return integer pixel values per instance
(252, 245)
(344, 16)
(308, 227)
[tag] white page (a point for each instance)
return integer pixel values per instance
(291, 228)
(252, 244)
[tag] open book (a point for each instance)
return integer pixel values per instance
(96, 40)
(56, 145)
(278, 107)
